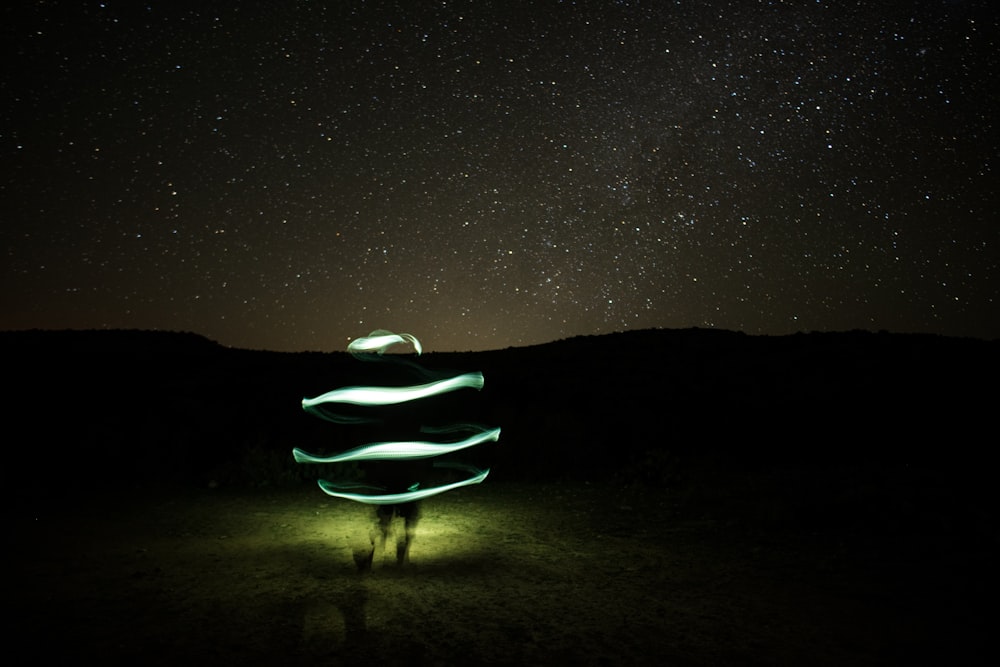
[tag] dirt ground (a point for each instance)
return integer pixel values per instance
(501, 573)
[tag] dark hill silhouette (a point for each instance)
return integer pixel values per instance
(112, 408)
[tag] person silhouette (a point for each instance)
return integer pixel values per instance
(395, 478)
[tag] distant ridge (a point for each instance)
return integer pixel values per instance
(118, 405)
(191, 340)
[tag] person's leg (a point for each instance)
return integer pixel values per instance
(380, 531)
(410, 512)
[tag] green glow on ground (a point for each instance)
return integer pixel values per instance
(553, 573)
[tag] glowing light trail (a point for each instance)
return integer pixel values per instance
(380, 341)
(400, 451)
(331, 489)
(362, 348)
(394, 395)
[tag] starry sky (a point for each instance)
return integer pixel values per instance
(483, 174)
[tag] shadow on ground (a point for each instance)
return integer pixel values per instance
(500, 574)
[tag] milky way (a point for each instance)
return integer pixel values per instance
(292, 175)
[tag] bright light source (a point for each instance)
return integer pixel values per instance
(363, 348)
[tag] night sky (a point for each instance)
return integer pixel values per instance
(292, 175)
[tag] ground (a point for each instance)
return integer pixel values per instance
(501, 573)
